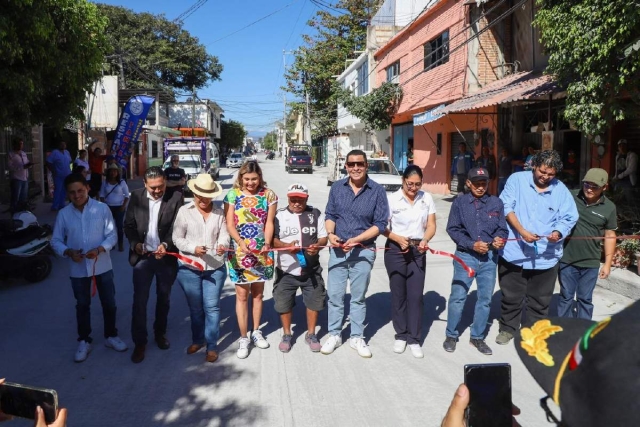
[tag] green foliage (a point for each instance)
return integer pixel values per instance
(270, 141)
(156, 51)
(232, 134)
(336, 35)
(594, 47)
(375, 109)
(51, 52)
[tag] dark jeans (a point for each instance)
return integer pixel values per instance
(579, 282)
(164, 270)
(19, 193)
(118, 218)
(95, 184)
(107, 292)
(406, 279)
(462, 181)
(533, 287)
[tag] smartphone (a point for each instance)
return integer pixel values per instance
(21, 401)
(489, 395)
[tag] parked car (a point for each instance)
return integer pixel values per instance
(192, 165)
(298, 159)
(235, 160)
(383, 171)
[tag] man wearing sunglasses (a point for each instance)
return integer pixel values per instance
(356, 213)
(580, 263)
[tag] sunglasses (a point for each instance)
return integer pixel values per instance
(355, 164)
(591, 186)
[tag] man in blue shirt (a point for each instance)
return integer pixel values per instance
(540, 212)
(478, 227)
(59, 163)
(461, 165)
(357, 212)
(85, 234)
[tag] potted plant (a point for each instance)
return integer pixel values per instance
(626, 252)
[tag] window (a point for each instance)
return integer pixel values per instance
(439, 144)
(154, 149)
(436, 51)
(363, 79)
(393, 72)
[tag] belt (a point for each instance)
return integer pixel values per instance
(414, 242)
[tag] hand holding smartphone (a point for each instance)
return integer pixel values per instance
(22, 401)
(489, 395)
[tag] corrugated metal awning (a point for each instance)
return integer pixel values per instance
(527, 85)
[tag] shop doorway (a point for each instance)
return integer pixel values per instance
(402, 134)
(456, 139)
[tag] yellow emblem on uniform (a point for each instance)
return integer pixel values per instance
(534, 340)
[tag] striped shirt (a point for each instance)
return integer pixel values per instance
(85, 230)
(353, 213)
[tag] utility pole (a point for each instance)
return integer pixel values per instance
(307, 124)
(193, 111)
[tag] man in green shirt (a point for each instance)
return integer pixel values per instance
(580, 262)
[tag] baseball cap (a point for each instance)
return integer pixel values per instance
(596, 175)
(478, 174)
(590, 369)
(622, 141)
(299, 190)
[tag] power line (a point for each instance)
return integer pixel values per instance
(187, 13)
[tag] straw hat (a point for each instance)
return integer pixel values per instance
(203, 185)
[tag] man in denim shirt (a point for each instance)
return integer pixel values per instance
(478, 227)
(540, 212)
(356, 214)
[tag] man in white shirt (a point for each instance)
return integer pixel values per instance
(19, 166)
(299, 226)
(85, 234)
(148, 225)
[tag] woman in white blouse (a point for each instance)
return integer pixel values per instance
(200, 233)
(115, 193)
(412, 223)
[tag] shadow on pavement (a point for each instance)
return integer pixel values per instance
(378, 312)
(434, 305)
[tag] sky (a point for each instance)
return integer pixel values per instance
(249, 89)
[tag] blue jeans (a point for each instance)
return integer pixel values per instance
(354, 266)
(485, 267)
(579, 282)
(203, 289)
(59, 193)
(107, 291)
(19, 193)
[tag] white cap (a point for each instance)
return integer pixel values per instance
(299, 190)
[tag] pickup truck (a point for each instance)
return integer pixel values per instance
(298, 159)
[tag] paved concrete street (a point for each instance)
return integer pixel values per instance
(269, 388)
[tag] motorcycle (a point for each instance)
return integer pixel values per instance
(24, 248)
(271, 156)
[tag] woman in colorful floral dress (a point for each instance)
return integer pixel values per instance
(250, 209)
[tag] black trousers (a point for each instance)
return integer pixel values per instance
(165, 271)
(462, 182)
(95, 184)
(406, 279)
(519, 286)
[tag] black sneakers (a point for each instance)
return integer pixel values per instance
(481, 346)
(449, 344)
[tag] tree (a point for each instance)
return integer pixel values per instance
(52, 52)
(340, 30)
(155, 51)
(592, 50)
(232, 134)
(270, 141)
(375, 109)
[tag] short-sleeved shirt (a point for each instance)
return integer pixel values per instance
(593, 220)
(114, 194)
(174, 174)
(306, 228)
(409, 220)
(60, 162)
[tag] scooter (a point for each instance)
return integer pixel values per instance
(24, 248)
(271, 155)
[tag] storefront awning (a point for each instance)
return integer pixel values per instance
(428, 116)
(525, 86)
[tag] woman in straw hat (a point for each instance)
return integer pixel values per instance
(200, 233)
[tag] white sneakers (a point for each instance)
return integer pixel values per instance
(84, 348)
(358, 343)
(116, 343)
(399, 346)
(243, 348)
(416, 350)
(331, 344)
(258, 339)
